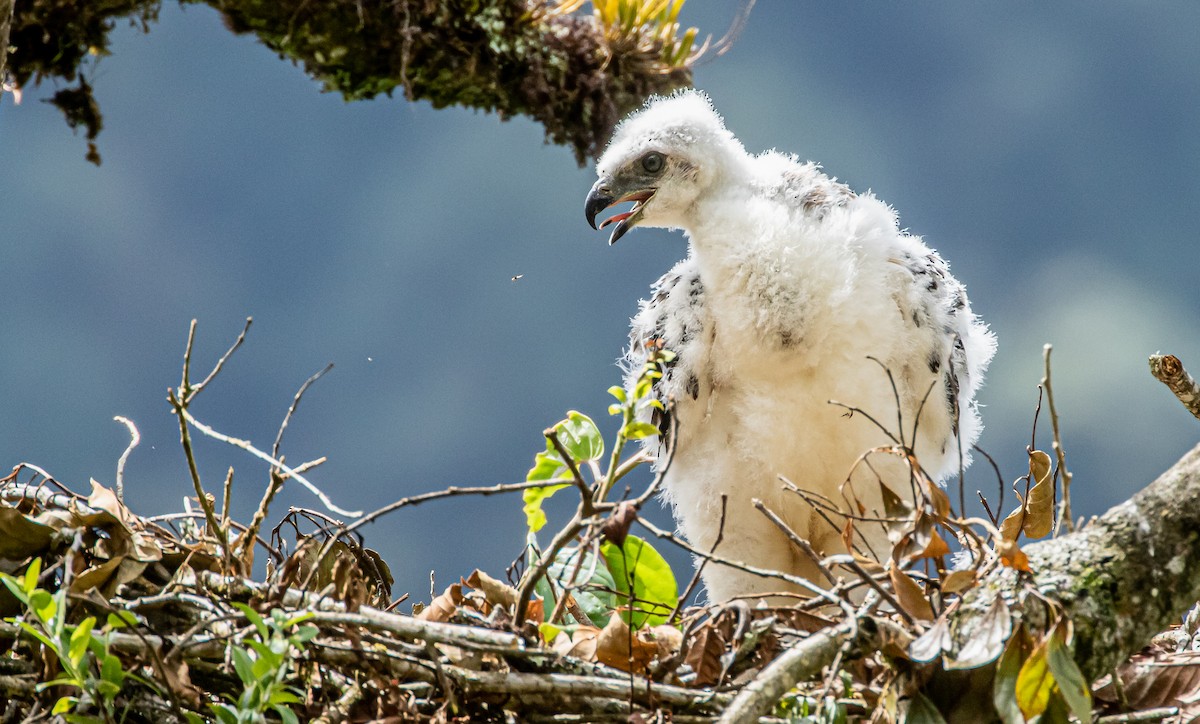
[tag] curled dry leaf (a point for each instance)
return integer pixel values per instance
(497, 593)
(1034, 517)
(443, 607)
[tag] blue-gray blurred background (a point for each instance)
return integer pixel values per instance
(1049, 152)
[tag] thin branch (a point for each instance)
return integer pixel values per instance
(1064, 507)
(804, 546)
(134, 439)
(1168, 369)
(185, 439)
(292, 407)
(191, 391)
(289, 472)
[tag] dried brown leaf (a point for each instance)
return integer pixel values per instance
(705, 649)
(1153, 679)
(442, 608)
(619, 647)
(23, 538)
(1012, 556)
(910, 594)
(1034, 517)
(497, 592)
(959, 581)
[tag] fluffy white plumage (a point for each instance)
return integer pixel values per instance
(791, 284)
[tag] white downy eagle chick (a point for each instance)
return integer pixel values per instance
(795, 292)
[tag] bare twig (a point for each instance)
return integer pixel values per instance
(188, 390)
(804, 546)
(1168, 369)
(1064, 506)
(134, 439)
(292, 407)
(288, 471)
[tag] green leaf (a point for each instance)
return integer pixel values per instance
(643, 576)
(243, 664)
(618, 392)
(297, 619)
(535, 517)
(63, 705)
(46, 641)
(286, 714)
(1034, 683)
(1074, 687)
(16, 587)
(1004, 686)
(121, 619)
(546, 465)
(594, 595)
(32, 573)
(304, 634)
(225, 713)
(80, 638)
(922, 711)
(43, 605)
(580, 436)
(111, 671)
(637, 430)
(254, 618)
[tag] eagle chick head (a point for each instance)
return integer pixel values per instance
(663, 158)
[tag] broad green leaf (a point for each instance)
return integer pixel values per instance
(63, 704)
(546, 465)
(286, 714)
(593, 593)
(643, 576)
(1074, 687)
(535, 517)
(1034, 683)
(43, 605)
(637, 430)
(580, 436)
(111, 671)
(120, 619)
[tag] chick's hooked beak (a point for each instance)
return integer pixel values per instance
(602, 196)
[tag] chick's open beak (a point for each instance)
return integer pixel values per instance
(602, 197)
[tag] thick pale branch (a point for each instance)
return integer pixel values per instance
(1122, 578)
(1168, 370)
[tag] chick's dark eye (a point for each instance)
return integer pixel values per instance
(653, 162)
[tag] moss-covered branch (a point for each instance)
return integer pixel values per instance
(1120, 579)
(513, 57)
